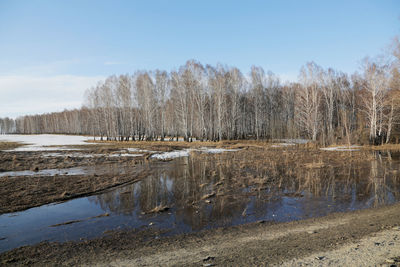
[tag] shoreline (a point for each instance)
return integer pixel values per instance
(250, 244)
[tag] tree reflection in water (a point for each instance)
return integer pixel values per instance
(215, 190)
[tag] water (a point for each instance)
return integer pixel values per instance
(86, 170)
(279, 192)
(47, 172)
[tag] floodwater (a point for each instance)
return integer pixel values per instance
(86, 170)
(210, 192)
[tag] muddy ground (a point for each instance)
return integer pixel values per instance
(23, 192)
(369, 237)
(251, 244)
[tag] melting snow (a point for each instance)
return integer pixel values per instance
(83, 155)
(283, 145)
(293, 141)
(133, 149)
(47, 172)
(342, 148)
(124, 155)
(186, 152)
(41, 142)
(172, 154)
(215, 150)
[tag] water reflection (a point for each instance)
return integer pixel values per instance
(219, 190)
(114, 168)
(210, 190)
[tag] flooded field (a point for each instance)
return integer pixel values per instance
(200, 191)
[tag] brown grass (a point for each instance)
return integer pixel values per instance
(9, 145)
(382, 147)
(157, 209)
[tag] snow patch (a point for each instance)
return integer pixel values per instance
(47, 172)
(342, 148)
(83, 155)
(215, 150)
(293, 141)
(172, 154)
(124, 155)
(45, 142)
(283, 145)
(186, 152)
(133, 149)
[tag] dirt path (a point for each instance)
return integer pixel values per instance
(362, 238)
(382, 248)
(357, 238)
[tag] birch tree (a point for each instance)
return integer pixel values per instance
(308, 100)
(376, 84)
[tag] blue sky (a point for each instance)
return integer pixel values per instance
(53, 50)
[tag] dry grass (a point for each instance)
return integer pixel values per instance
(9, 145)
(314, 165)
(167, 146)
(157, 209)
(19, 193)
(382, 147)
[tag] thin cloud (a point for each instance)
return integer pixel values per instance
(22, 95)
(288, 77)
(110, 63)
(39, 69)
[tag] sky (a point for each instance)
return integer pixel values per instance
(52, 51)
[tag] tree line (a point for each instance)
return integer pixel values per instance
(7, 125)
(221, 103)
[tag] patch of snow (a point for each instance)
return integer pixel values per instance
(45, 142)
(282, 145)
(72, 155)
(294, 141)
(342, 148)
(186, 152)
(83, 155)
(172, 154)
(133, 149)
(44, 148)
(215, 150)
(47, 172)
(124, 155)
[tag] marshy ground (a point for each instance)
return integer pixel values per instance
(256, 203)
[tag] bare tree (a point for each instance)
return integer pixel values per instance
(308, 100)
(375, 87)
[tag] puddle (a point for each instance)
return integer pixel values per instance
(86, 170)
(87, 155)
(194, 195)
(47, 172)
